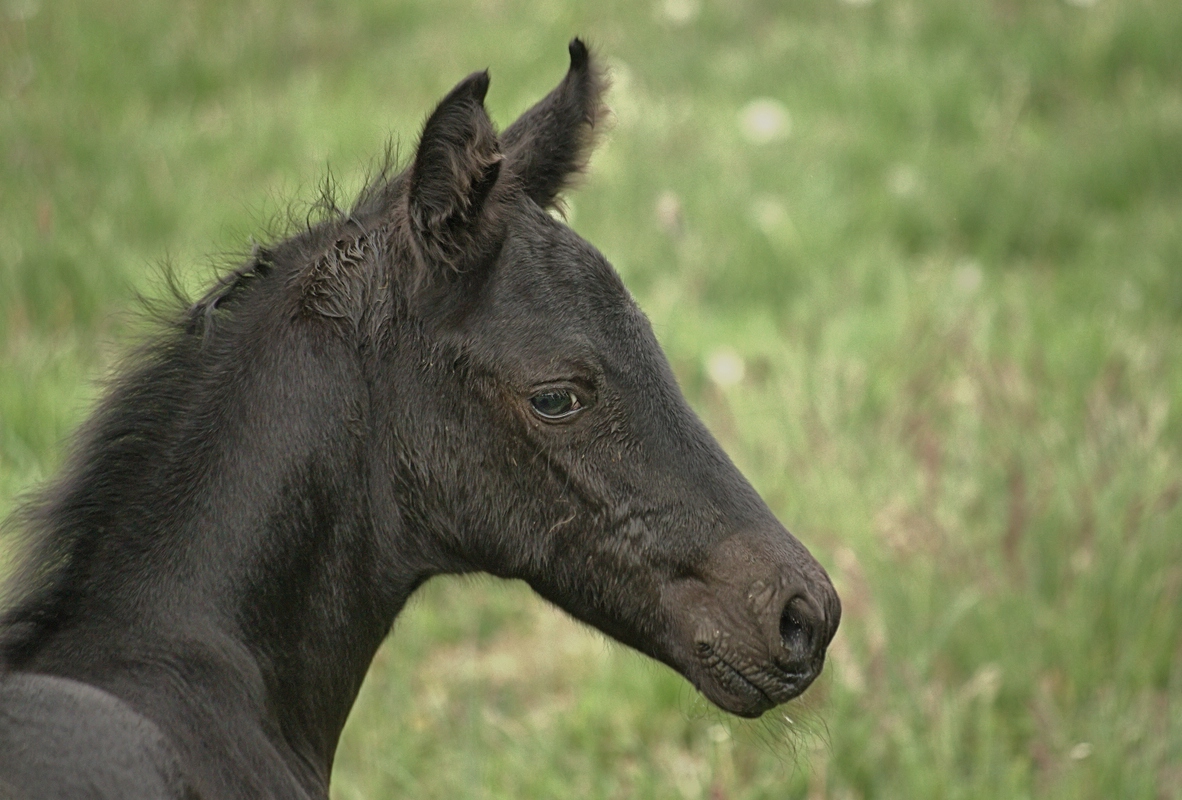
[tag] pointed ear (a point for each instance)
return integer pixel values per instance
(549, 145)
(455, 168)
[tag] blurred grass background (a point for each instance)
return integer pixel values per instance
(918, 264)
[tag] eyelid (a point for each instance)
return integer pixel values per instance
(581, 386)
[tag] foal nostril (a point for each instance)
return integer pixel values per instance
(796, 628)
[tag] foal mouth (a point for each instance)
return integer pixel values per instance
(749, 693)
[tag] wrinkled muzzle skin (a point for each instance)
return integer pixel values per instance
(566, 453)
(758, 622)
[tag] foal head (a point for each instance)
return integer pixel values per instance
(531, 423)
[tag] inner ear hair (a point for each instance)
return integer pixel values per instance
(456, 166)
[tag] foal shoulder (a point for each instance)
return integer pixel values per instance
(63, 738)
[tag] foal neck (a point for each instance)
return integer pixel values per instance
(214, 543)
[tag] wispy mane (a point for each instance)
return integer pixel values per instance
(328, 262)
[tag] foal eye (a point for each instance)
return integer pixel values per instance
(555, 404)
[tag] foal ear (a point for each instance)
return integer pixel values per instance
(550, 143)
(455, 168)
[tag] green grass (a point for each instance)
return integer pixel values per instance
(953, 277)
